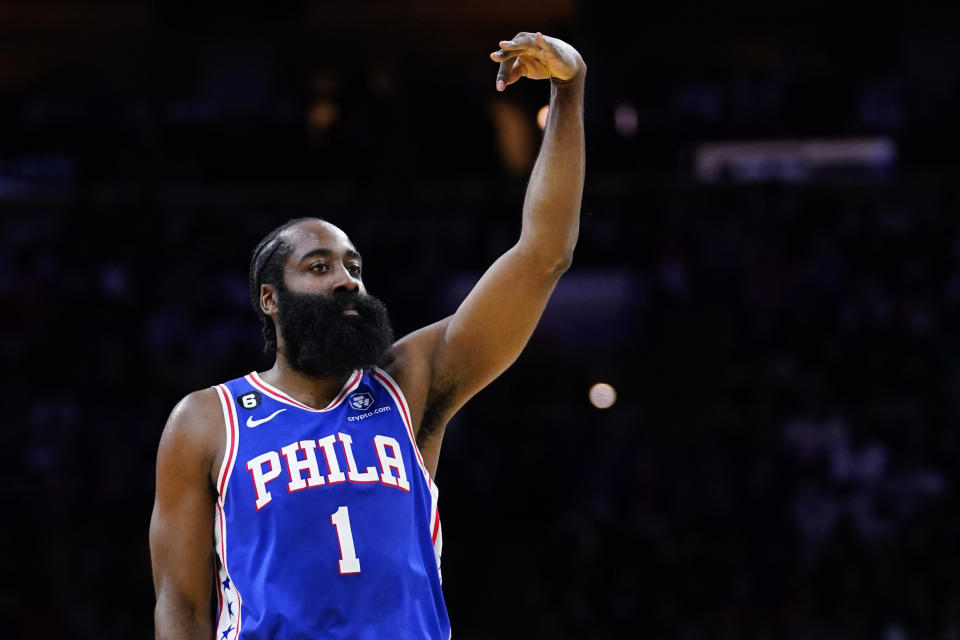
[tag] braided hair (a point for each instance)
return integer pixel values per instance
(266, 267)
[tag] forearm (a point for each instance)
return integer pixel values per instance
(551, 208)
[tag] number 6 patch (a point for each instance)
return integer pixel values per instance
(249, 400)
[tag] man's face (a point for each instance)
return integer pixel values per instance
(328, 325)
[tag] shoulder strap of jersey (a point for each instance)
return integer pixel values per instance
(231, 441)
(395, 392)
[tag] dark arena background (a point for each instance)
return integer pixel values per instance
(768, 275)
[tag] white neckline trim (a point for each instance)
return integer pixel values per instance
(352, 383)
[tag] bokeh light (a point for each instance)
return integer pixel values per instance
(602, 395)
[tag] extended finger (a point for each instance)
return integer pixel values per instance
(503, 74)
(503, 56)
(522, 40)
(529, 44)
(510, 71)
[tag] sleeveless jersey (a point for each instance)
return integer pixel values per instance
(326, 522)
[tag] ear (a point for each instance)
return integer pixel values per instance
(268, 299)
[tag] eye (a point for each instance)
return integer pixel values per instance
(354, 269)
(318, 267)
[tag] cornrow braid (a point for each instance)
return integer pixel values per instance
(266, 267)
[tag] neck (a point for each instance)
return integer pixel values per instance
(313, 392)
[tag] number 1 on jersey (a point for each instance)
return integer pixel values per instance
(349, 562)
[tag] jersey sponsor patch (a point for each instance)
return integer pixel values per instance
(361, 401)
(250, 400)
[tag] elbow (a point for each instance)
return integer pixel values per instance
(563, 263)
(552, 261)
(172, 616)
(563, 260)
(555, 265)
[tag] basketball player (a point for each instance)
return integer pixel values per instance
(303, 495)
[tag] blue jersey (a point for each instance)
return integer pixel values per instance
(326, 522)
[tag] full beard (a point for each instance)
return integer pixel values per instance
(321, 341)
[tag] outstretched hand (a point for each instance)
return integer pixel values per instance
(536, 56)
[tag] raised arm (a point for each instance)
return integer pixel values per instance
(461, 354)
(551, 208)
(181, 529)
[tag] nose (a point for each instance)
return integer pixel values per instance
(346, 281)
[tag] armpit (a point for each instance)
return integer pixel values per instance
(436, 412)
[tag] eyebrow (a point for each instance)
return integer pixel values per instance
(326, 253)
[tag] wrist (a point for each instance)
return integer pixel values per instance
(576, 80)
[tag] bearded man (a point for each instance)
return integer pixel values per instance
(303, 496)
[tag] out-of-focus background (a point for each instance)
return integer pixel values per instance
(768, 275)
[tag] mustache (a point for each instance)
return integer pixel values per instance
(347, 298)
(331, 307)
(360, 302)
(337, 299)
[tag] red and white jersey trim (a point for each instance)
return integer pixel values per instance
(352, 383)
(393, 389)
(231, 424)
(228, 626)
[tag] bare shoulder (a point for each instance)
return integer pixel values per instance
(411, 365)
(196, 414)
(194, 434)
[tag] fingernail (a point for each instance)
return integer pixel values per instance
(506, 42)
(501, 85)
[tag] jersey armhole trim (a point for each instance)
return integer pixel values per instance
(230, 442)
(395, 392)
(231, 446)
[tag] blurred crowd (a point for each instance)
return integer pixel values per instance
(779, 463)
